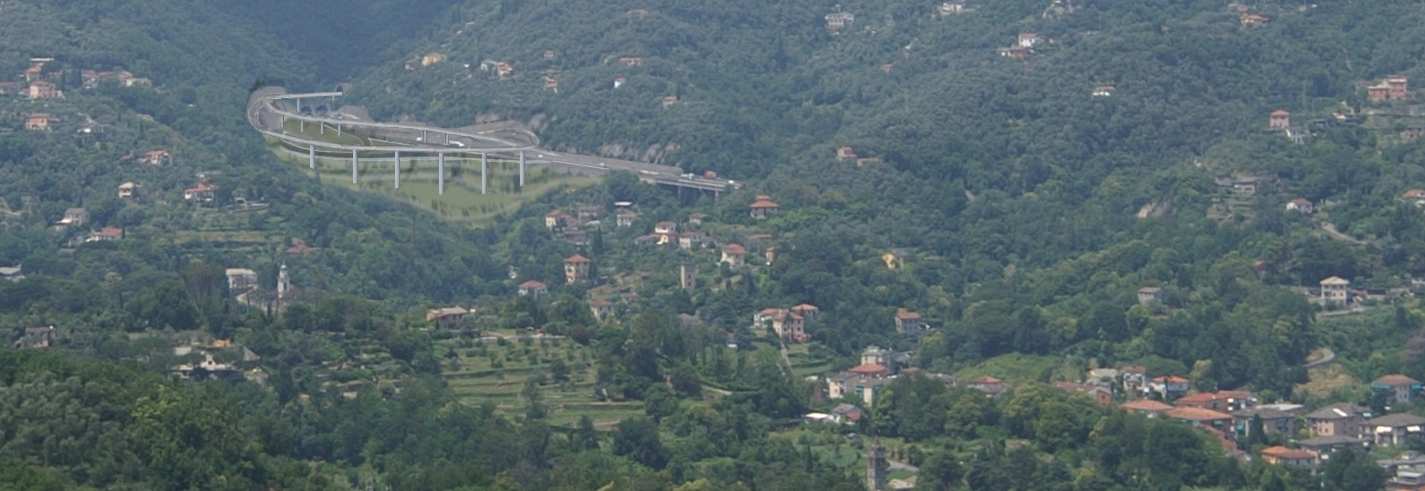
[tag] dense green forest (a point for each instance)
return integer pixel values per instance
(1021, 211)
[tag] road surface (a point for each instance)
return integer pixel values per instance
(269, 109)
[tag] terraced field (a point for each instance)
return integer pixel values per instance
(496, 372)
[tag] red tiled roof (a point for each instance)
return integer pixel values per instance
(764, 201)
(1280, 112)
(904, 314)
(111, 232)
(1196, 414)
(576, 259)
(986, 380)
(1172, 379)
(734, 249)
(1198, 398)
(1396, 379)
(1234, 394)
(869, 369)
(1284, 453)
(531, 285)
(1145, 405)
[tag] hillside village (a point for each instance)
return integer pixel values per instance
(1050, 244)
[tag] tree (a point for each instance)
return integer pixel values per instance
(637, 438)
(1352, 470)
(585, 437)
(533, 400)
(940, 471)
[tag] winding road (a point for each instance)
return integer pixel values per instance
(270, 108)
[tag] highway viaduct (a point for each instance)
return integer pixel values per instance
(271, 108)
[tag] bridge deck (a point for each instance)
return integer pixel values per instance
(266, 116)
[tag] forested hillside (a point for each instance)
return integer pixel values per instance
(1024, 185)
(1037, 188)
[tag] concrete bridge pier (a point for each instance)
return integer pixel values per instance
(398, 169)
(521, 169)
(484, 168)
(353, 166)
(311, 156)
(440, 174)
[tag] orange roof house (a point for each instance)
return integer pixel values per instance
(576, 269)
(733, 254)
(870, 370)
(38, 122)
(1202, 418)
(1280, 119)
(763, 207)
(41, 89)
(1294, 457)
(1147, 407)
(845, 153)
(532, 288)
(156, 157)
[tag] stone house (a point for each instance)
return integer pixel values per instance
(38, 122)
(576, 269)
(106, 234)
(910, 322)
(785, 324)
(1202, 418)
(763, 207)
(1341, 419)
(1399, 388)
(74, 217)
(1393, 430)
(733, 255)
(1149, 295)
(1300, 205)
(533, 289)
(845, 153)
(447, 317)
(1277, 419)
(1169, 387)
(1280, 119)
(41, 89)
(36, 338)
(1290, 457)
(156, 157)
(241, 280)
(1335, 291)
(836, 22)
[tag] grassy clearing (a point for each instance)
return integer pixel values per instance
(1020, 368)
(462, 201)
(804, 363)
(319, 133)
(496, 372)
(240, 237)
